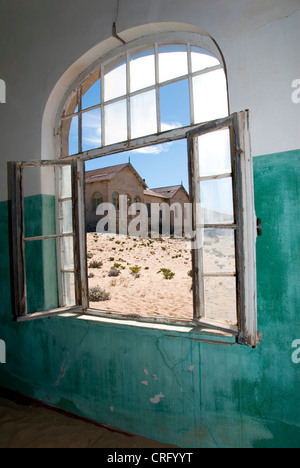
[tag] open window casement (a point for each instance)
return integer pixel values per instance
(48, 223)
(225, 227)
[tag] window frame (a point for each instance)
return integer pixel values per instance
(19, 309)
(246, 331)
(245, 224)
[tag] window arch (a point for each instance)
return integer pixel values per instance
(184, 71)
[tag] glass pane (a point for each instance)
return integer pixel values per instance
(91, 129)
(39, 201)
(67, 253)
(66, 218)
(215, 153)
(201, 59)
(219, 251)
(92, 97)
(143, 114)
(220, 299)
(210, 96)
(175, 105)
(217, 201)
(41, 275)
(142, 70)
(69, 289)
(172, 62)
(65, 185)
(73, 136)
(115, 81)
(115, 122)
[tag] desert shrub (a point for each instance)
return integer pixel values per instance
(168, 274)
(90, 255)
(95, 264)
(114, 272)
(98, 295)
(135, 269)
(190, 273)
(91, 275)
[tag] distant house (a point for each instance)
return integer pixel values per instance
(106, 185)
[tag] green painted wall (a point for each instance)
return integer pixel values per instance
(214, 395)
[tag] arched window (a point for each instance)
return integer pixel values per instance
(97, 200)
(108, 107)
(115, 200)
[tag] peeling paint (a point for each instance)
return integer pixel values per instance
(145, 382)
(157, 399)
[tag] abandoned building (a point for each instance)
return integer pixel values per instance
(107, 184)
(90, 79)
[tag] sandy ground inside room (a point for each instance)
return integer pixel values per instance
(146, 291)
(31, 426)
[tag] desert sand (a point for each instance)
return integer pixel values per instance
(146, 292)
(32, 426)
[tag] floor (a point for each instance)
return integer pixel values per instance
(31, 426)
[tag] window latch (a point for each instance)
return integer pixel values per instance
(259, 227)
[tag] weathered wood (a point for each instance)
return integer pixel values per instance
(18, 248)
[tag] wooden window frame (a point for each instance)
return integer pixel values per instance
(20, 310)
(245, 225)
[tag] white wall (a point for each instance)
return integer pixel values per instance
(42, 42)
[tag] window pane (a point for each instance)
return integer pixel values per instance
(92, 97)
(175, 105)
(67, 253)
(91, 129)
(142, 70)
(201, 59)
(143, 114)
(73, 135)
(215, 153)
(41, 275)
(172, 62)
(220, 299)
(65, 185)
(66, 217)
(210, 96)
(115, 122)
(39, 201)
(69, 289)
(219, 251)
(115, 81)
(217, 201)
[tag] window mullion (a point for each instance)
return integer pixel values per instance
(128, 85)
(157, 95)
(192, 108)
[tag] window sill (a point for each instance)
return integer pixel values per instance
(194, 331)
